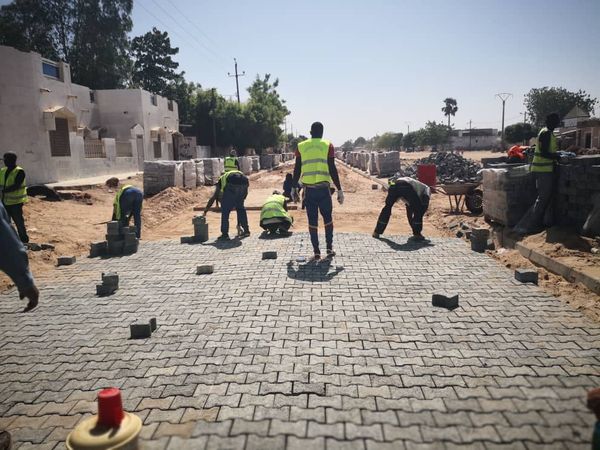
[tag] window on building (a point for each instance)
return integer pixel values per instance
(170, 105)
(154, 99)
(92, 97)
(50, 70)
(59, 138)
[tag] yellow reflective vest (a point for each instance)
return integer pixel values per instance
(17, 196)
(117, 203)
(273, 207)
(314, 154)
(223, 179)
(230, 163)
(539, 163)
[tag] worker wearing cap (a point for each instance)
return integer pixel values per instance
(231, 161)
(315, 169)
(128, 204)
(274, 217)
(14, 193)
(232, 187)
(415, 195)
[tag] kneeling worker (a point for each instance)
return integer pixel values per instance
(274, 217)
(415, 195)
(233, 187)
(127, 204)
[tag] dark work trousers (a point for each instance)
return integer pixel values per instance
(415, 209)
(544, 183)
(318, 199)
(131, 206)
(16, 214)
(281, 226)
(233, 198)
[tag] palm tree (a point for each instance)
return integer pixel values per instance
(450, 108)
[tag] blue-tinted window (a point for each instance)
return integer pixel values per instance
(50, 70)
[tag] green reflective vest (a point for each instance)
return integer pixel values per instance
(314, 154)
(230, 163)
(17, 196)
(223, 179)
(539, 163)
(273, 207)
(117, 203)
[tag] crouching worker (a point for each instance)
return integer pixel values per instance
(128, 204)
(274, 217)
(415, 195)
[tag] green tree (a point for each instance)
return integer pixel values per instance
(389, 141)
(434, 134)
(360, 142)
(540, 102)
(519, 132)
(450, 108)
(153, 65)
(348, 145)
(184, 93)
(409, 140)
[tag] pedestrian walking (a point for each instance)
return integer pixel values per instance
(14, 193)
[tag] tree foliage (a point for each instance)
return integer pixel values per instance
(409, 140)
(348, 145)
(153, 65)
(540, 102)
(519, 132)
(433, 134)
(389, 141)
(450, 108)
(360, 142)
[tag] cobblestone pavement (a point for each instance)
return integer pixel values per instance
(268, 354)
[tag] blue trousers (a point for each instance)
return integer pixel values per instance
(233, 198)
(131, 205)
(319, 200)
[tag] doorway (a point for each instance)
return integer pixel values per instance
(139, 139)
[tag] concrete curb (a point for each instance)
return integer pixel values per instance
(383, 184)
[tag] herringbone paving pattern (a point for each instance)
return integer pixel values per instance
(286, 354)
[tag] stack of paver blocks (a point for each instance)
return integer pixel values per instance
(578, 185)
(110, 283)
(385, 163)
(213, 169)
(266, 162)
(189, 174)
(199, 172)
(508, 194)
(255, 163)
(119, 241)
(159, 175)
(245, 165)
(200, 231)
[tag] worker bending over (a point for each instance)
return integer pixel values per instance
(128, 204)
(315, 169)
(415, 195)
(231, 162)
(274, 217)
(233, 189)
(14, 193)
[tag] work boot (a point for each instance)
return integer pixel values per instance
(5, 440)
(245, 233)
(224, 237)
(417, 238)
(376, 235)
(330, 253)
(316, 257)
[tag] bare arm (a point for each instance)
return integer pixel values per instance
(297, 170)
(214, 197)
(334, 173)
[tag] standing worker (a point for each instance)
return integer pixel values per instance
(315, 168)
(231, 162)
(543, 165)
(415, 195)
(14, 193)
(233, 188)
(128, 203)
(274, 217)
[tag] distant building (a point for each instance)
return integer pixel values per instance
(61, 130)
(579, 130)
(475, 139)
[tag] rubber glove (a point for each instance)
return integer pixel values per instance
(340, 197)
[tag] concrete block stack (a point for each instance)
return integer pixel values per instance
(212, 170)
(255, 163)
(199, 172)
(266, 162)
(371, 164)
(277, 159)
(119, 241)
(578, 185)
(245, 165)
(508, 194)
(159, 175)
(200, 231)
(189, 174)
(386, 163)
(109, 285)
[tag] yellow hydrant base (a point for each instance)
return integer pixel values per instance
(88, 436)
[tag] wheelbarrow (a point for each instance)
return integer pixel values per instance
(464, 194)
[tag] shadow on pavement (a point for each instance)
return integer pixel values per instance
(313, 271)
(409, 246)
(270, 237)
(225, 245)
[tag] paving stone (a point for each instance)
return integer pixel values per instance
(526, 276)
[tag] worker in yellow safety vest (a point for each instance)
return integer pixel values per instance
(274, 217)
(232, 188)
(14, 193)
(543, 167)
(128, 203)
(231, 162)
(315, 170)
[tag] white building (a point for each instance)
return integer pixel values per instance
(475, 139)
(61, 130)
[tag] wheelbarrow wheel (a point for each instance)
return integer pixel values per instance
(474, 201)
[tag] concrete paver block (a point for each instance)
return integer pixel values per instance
(66, 260)
(269, 255)
(205, 269)
(153, 324)
(445, 301)
(103, 290)
(526, 275)
(187, 240)
(140, 330)
(113, 228)
(98, 249)
(110, 279)
(115, 247)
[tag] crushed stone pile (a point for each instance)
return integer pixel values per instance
(451, 168)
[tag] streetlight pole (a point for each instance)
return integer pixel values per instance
(503, 96)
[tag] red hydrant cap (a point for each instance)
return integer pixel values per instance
(110, 408)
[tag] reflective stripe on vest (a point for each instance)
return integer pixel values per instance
(117, 203)
(539, 163)
(17, 196)
(273, 207)
(314, 154)
(230, 163)
(223, 179)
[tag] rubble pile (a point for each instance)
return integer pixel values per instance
(451, 168)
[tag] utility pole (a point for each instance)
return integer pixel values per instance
(524, 114)
(470, 134)
(407, 127)
(237, 75)
(503, 96)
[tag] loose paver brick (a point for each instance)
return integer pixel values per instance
(344, 354)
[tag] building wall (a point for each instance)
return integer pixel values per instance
(27, 96)
(477, 142)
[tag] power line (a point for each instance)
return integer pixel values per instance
(237, 84)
